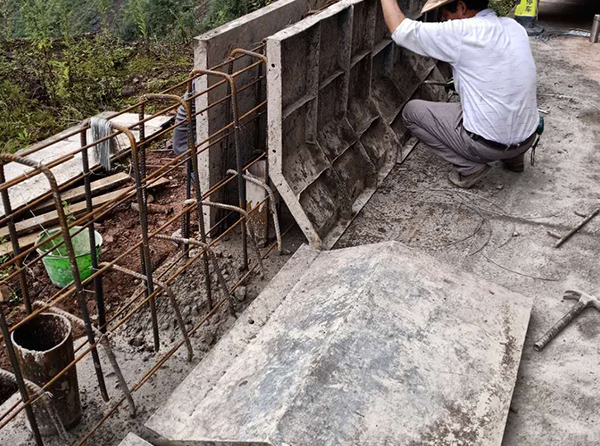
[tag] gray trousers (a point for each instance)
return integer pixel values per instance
(439, 125)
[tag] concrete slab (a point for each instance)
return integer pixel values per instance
(38, 185)
(334, 126)
(133, 440)
(377, 344)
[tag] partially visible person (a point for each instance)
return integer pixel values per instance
(495, 76)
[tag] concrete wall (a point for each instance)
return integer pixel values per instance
(336, 87)
(213, 48)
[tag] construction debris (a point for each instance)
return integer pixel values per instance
(577, 228)
(584, 301)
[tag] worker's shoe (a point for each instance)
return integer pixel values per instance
(516, 164)
(467, 181)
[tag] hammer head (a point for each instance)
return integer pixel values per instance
(584, 298)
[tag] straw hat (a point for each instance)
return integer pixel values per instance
(433, 4)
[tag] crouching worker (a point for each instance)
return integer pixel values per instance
(494, 74)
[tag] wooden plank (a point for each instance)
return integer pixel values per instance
(51, 218)
(25, 242)
(78, 193)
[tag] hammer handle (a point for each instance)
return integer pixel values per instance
(559, 326)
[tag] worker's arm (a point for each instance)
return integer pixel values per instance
(392, 14)
(442, 41)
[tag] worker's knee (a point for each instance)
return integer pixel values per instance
(412, 112)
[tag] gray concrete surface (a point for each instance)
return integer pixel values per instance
(336, 85)
(499, 231)
(134, 440)
(377, 344)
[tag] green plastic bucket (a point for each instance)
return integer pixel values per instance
(57, 262)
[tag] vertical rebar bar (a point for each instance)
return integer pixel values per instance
(146, 260)
(194, 163)
(14, 240)
(98, 290)
(142, 130)
(236, 138)
(18, 375)
(199, 208)
(143, 173)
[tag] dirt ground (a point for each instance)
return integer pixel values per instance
(498, 230)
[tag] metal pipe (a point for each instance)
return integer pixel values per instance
(72, 259)
(104, 341)
(18, 375)
(44, 347)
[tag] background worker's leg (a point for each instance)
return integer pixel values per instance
(439, 126)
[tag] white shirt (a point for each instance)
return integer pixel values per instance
(494, 71)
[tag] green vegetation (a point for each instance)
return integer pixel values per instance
(503, 7)
(62, 61)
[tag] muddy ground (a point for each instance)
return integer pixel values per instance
(498, 230)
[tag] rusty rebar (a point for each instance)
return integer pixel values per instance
(14, 240)
(247, 224)
(72, 258)
(146, 260)
(251, 178)
(98, 290)
(236, 139)
(58, 297)
(214, 259)
(196, 179)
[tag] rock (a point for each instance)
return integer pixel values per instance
(229, 322)
(136, 80)
(128, 91)
(240, 293)
(516, 234)
(136, 342)
(209, 338)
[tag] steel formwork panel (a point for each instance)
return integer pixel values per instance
(336, 88)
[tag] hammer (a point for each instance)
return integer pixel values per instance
(584, 300)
